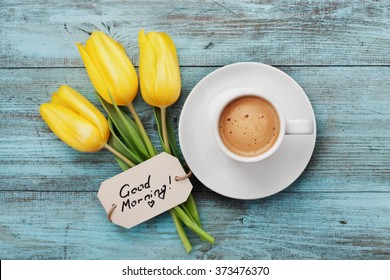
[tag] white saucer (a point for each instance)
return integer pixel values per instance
(237, 179)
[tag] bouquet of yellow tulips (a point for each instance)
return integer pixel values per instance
(82, 126)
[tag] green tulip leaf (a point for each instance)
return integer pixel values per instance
(138, 141)
(172, 138)
(126, 127)
(132, 123)
(123, 149)
(117, 121)
(113, 141)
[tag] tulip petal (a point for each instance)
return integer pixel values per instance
(90, 50)
(168, 77)
(93, 73)
(147, 69)
(124, 80)
(113, 71)
(102, 59)
(71, 128)
(113, 75)
(119, 57)
(159, 69)
(75, 101)
(55, 99)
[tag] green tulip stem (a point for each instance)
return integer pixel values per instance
(192, 225)
(119, 155)
(180, 231)
(164, 130)
(145, 136)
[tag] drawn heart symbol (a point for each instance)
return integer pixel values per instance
(151, 203)
(161, 194)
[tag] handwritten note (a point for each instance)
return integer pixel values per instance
(144, 191)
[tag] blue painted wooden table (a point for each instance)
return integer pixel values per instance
(338, 51)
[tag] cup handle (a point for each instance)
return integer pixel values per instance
(302, 126)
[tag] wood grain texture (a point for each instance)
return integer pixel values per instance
(72, 225)
(338, 51)
(38, 33)
(351, 154)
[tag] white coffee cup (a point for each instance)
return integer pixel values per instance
(287, 127)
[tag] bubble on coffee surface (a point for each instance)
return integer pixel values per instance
(249, 126)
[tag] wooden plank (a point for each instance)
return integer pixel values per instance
(57, 225)
(207, 33)
(351, 106)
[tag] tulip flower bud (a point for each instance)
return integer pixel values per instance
(158, 69)
(75, 120)
(109, 68)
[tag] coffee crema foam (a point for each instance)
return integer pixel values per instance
(249, 126)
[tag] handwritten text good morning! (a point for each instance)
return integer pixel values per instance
(144, 191)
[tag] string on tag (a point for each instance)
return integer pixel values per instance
(177, 178)
(109, 214)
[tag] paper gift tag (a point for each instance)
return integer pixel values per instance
(144, 191)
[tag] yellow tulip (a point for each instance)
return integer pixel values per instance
(75, 120)
(158, 69)
(109, 68)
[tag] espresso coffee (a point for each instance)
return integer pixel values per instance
(249, 126)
